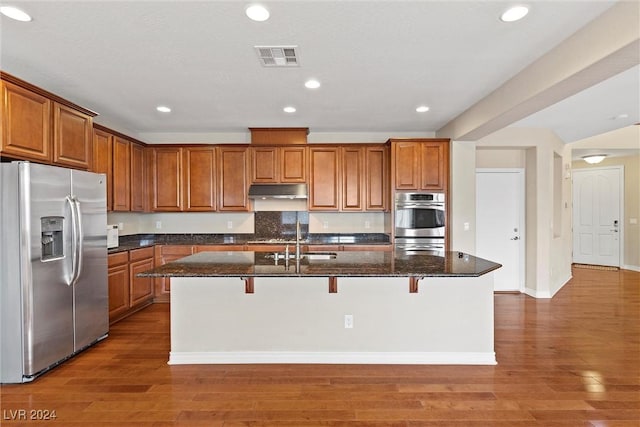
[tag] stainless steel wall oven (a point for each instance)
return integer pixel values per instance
(420, 221)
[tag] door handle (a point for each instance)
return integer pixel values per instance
(515, 238)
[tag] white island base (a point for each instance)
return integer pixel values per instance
(296, 320)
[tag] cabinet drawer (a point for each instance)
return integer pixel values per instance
(118, 259)
(142, 253)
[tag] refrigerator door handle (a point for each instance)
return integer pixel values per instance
(75, 238)
(80, 240)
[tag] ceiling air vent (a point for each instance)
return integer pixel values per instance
(277, 56)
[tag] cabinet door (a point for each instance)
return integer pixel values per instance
(376, 178)
(138, 182)
(264, 164)
(293, 164)
(167, 179)
(26, 124)
(324, 174)
(434, 165)
(233, 187)
(118, 280)
(406, 157)
(352, 178)
(141, 288)
(102, 149)
(200, 179)
(72, 137)
(121, 174)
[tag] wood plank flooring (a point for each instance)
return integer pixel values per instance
(570, 361)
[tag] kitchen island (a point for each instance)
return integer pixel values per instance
(341, 307)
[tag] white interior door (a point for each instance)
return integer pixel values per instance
(500, 224)
(596, 216)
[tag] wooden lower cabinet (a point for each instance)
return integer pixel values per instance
(141, 288)
(118, 274)
(128, 293)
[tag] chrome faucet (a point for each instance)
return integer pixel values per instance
(297, 239)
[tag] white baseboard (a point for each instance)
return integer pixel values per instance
(537, 294)
(630, 267)
(386, 358)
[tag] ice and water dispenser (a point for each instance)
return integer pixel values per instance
(52, 242)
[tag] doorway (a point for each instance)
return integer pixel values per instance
(597, 226)
(500, 221)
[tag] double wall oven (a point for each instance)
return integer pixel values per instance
(420, 222)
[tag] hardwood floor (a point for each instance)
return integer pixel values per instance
(570, 361)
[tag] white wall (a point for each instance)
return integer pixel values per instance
(463, 196)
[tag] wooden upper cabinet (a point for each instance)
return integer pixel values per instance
(121, 163)
(293, 164)
(352, 178)
(138, 178)
(434, 158)
(421, 164)
(406, 156)
(265, 164)
(102, 149)
(199, 178)
(233, 186)
(26, 124)
(278, 164)
(324, 171)
(72, 137)
(376, 180)
(167, 176)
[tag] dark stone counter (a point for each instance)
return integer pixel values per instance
(143, 240)
(343, 264)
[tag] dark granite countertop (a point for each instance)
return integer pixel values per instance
(344, 264)
(143, 240)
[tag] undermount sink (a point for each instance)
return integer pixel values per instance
(319, 255)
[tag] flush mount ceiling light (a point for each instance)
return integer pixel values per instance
(592, 159)
(163, 109)
(257, 12)
(514, 14)
(15, 13)
(312, 84)
(289, 109)
(422, 109)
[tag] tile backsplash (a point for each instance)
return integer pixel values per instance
(280, 224)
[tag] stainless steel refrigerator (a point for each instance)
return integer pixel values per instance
(53, 266)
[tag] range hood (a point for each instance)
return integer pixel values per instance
(278, 191)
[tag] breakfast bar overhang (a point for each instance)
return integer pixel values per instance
(345, 307)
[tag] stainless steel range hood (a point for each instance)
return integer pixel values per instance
(278, 191)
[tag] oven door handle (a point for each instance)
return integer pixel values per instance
(420, 205)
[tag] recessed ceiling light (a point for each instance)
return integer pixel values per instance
(15, 13)
(312, 84)
(257, 12)
(514, 14)
(163, 109)
(422, 109)
(289, 109)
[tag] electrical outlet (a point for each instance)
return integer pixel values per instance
(466, 226)
(325, 224)
(367, 224)
(158, 225)
(633, 220)
(229, 225)
(121, 226)
(348, 321)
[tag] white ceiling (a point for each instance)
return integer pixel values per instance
(377, 61)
